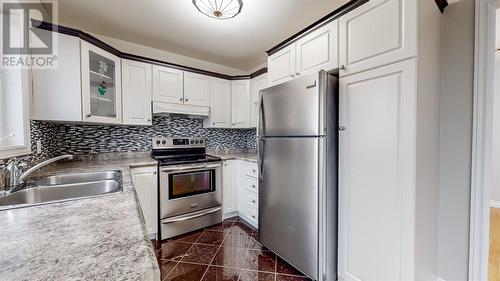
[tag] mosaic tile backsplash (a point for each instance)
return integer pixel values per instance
(77, 139)
(88, 139)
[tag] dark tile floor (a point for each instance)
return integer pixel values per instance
(227, 251)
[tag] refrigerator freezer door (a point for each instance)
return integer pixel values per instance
(288, 202)
(294, 108)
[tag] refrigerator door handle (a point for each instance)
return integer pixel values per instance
(262, 119)
(260, 158)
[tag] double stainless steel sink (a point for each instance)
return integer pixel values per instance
(57, 188)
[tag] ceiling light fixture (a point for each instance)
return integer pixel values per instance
(219, 9)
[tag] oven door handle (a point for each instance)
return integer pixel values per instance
(186, 168)
(167, 221)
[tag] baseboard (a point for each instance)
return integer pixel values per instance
(229, 215)
(495, 204)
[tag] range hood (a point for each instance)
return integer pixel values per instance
(165, 108)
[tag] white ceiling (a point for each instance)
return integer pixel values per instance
(176, 25)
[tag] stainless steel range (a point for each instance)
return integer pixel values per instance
(189, 185)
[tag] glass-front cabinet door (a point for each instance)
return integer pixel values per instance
(101, 85)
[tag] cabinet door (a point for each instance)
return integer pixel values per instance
(220, 104)
(377, 178)
(196, 89)
(229, 187)
(281, 66)
(146, 187)
(257, 84)
(101, 85)
(318, 50)
(57, 93)
(378, 33)
(240, 104)
(137, 93)
(168, 85)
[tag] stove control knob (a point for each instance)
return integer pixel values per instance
(192, 141)
(197, 141)
(201, 141)
(158, 142)
(163, 142)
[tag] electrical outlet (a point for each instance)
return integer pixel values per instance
(38, 146)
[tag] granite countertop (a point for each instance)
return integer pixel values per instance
(250, 156)
(100, 238)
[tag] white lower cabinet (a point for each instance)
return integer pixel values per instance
(145, 183)
(240, 190)
(229, 187)
(377, 177)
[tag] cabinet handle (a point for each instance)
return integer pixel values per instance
(88, 115)
(181, 99)
(298, 73)
(253, 217)
(149, 120)
(253, 185)
(154, 173)
(291, 75)
(342, 67)
(253, 201)
(186, 100)
(213, 123)
(254, 170)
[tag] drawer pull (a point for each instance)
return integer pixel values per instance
(254, 171)
(253, 217)
(253, 201)
(253, 185)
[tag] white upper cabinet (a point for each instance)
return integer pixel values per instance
(101, 85)
(378, 33)
(258, 83)
(168, 85)
(317, 50)
(377, 177)
(240, 101)
(220, 104)
(196, 89)
(57, 93)
(137, 93)
(281, 66)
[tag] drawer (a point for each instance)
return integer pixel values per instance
(252, 200)
(251, 170)
(253, 215)
(252, 185)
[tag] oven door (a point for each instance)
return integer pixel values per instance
(189, 188)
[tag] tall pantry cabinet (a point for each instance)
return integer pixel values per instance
(389, 139)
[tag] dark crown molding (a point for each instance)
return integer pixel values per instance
(340, 11)
(96, 42)
(442, 4)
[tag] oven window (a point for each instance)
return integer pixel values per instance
(192, 183)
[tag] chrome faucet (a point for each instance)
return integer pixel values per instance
(15, 176)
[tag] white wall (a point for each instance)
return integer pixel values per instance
(428, 139)
(495, 168)
(141, 50)
(457, 82)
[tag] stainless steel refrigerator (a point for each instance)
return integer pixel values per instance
(298, 133)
